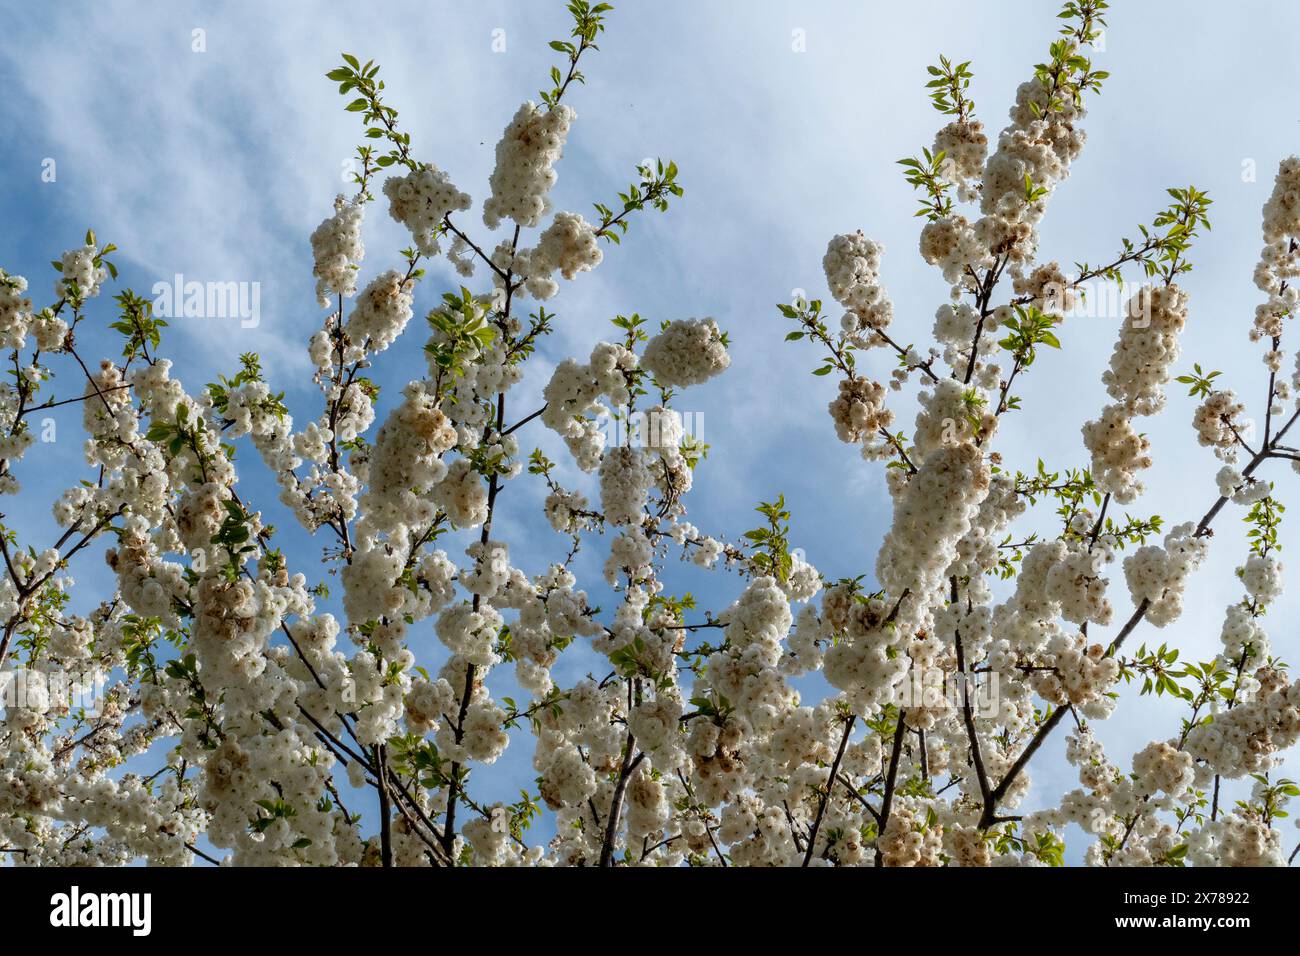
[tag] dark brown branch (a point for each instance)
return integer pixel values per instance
(830, 786)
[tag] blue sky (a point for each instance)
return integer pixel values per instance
(218, 164)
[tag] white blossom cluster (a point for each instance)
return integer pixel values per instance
(852, 267)
(337, 249)
(1158, 575)
(15, 311)
(79, 270)
(686, 352)
(573, 395)
(1221, 424)
(1145, 351)
(1244, 739)
(859, 411)
(965, 148)
(526, 155)
(421, 201)
(568, 245)
(381, 312)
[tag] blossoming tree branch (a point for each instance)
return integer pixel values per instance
(242, 723)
